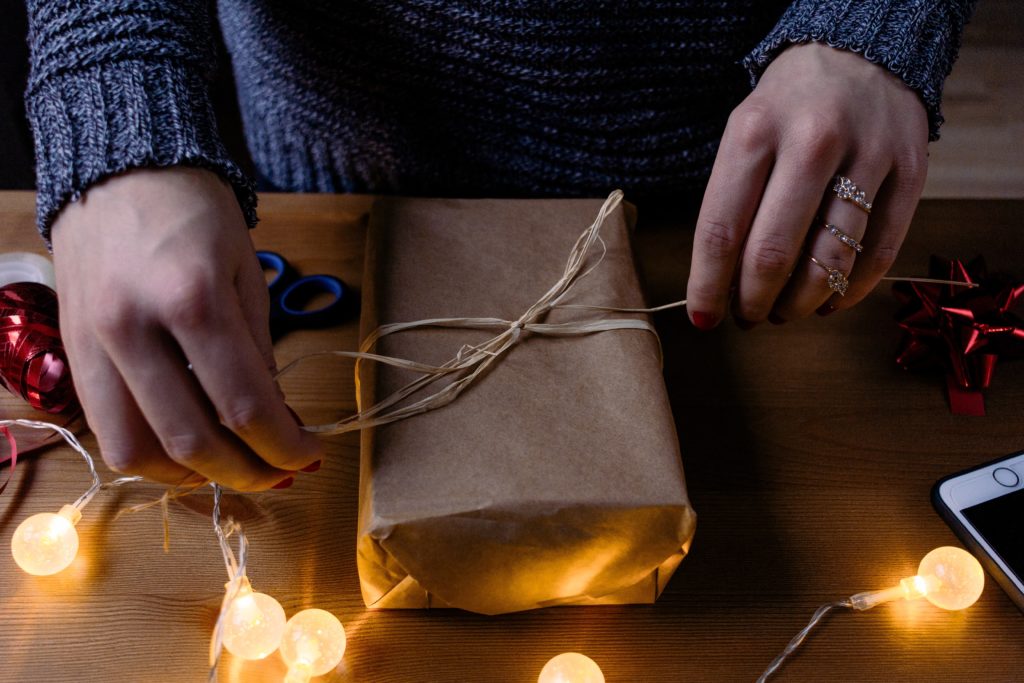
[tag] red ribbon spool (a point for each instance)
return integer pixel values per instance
(33, 364)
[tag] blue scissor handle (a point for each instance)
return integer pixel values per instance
(270, 260)
(289, 294)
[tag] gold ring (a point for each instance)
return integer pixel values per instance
(837, 282)
(841, 236)
(848, 190)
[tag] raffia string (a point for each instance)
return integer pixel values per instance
(170, 494)
(471, 361)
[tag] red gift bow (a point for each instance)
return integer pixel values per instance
(962, 330)
(33, 364)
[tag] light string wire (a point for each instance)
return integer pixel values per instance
(235, 564)
(799, 638)
(72, 441)
(236, 568)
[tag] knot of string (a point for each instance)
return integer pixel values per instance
(517, 330)
(471, 361)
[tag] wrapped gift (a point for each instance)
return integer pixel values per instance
(555, 478)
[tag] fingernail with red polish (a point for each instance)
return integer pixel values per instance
(704, 321)
(775, 320)
(312, 468)
(745, 324)
(284, 483)
(826, 309)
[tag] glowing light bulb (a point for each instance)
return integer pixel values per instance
(953, 578)
(571, 667)
(313, 644)
(46, 543)
(948, 577)
(253, 624)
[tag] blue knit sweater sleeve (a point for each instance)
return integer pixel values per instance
(120, 84)
(917, 40)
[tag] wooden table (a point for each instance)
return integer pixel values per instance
(809, 458)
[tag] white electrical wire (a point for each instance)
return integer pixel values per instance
(72, 441)
(798, 639)
(235, 566)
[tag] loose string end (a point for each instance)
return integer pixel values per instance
(932, 281)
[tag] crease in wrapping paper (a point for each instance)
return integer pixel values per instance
(556, 479)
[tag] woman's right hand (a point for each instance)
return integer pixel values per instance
(156, 272)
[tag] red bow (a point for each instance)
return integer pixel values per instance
(962, 330)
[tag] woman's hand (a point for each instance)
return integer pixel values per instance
(816, 113)
(156, 272)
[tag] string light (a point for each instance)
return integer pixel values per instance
(948, 577)
(571, 667)
(312, 645)
(250, 624)
(47, 543)
(253, 623)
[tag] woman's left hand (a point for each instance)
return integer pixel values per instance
(817, 113)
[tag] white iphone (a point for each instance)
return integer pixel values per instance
(985, 507)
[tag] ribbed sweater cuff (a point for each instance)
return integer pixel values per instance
(917, 41)
(105, 119)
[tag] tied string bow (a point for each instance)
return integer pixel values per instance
(33, 364)
(962, 331)
(471, 361)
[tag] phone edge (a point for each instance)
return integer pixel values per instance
(967, 538)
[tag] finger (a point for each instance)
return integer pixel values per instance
(233, 373)
(181, 416)
(733, 193)
(890, 219)
(794, 192)
(808, 287)
(127, 444)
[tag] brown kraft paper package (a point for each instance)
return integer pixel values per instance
(555, 479)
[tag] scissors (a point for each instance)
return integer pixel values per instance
(290, 293)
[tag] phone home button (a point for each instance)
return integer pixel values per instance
(1005, 476)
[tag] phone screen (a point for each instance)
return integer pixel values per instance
(1000, 521)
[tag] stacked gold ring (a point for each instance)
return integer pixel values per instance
(841, 236)
(837, 281)
(847, 190)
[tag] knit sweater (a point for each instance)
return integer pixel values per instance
(436, 97)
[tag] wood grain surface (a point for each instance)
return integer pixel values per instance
(809, 458)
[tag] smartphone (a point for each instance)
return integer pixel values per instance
(985, 507)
